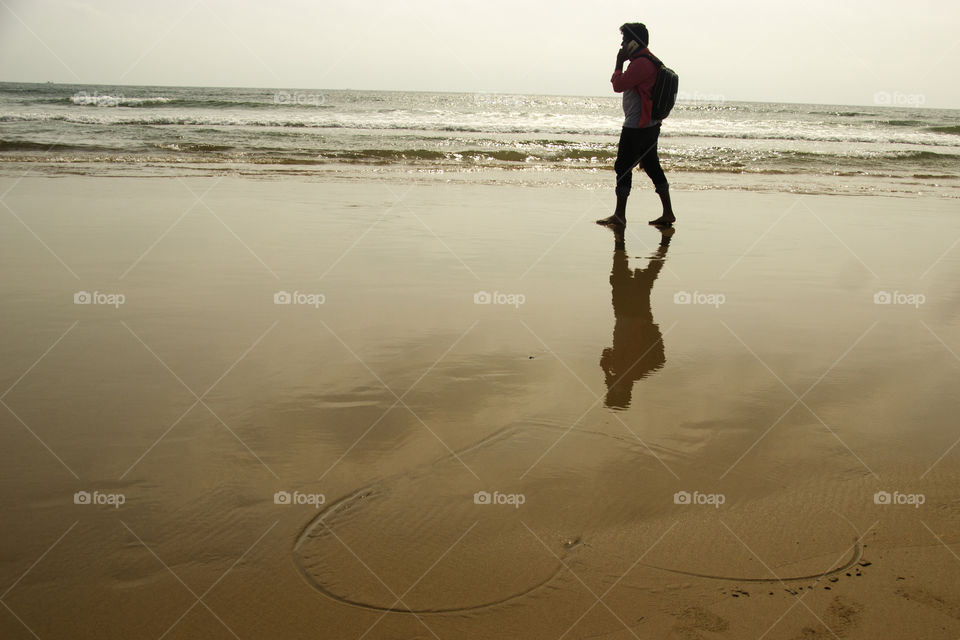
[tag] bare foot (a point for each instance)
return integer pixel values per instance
(664, 221)
(613, 221)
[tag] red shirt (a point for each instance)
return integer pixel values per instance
(636, 84)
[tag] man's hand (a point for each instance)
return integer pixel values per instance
(621, 57)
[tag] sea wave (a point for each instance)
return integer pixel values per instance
(476, 161)
(899, 123)
(193, 147)
(952, 130)
(98, 100)
(172, 103)
(87, 128)
(932, 136)
(284, 101)
(46, 147)
(517, 154)
(840, 114)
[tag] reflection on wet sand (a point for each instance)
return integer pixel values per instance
(637, 349)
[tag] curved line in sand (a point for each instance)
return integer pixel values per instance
(854, 558)
(361, 493)
(464, 609)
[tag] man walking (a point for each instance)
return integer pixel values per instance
(638, 138)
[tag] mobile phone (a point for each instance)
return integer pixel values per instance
(631, 46)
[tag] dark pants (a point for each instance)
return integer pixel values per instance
(638, 146)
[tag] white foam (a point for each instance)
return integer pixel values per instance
(85, 99)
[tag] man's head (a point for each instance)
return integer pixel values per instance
(635, 31)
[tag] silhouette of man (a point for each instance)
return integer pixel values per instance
(640, 133)
(637, 349)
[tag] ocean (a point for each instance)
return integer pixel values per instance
(706, 143)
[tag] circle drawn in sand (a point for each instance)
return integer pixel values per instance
(347, 555)
(418, 542)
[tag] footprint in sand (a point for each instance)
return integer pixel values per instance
(921, 596)
(692, 620)
(840, 618)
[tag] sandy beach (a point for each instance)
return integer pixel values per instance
(283, 408)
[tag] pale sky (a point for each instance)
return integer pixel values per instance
(816, 51)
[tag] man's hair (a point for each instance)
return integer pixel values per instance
(636, 31)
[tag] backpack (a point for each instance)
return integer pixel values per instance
(664, 91)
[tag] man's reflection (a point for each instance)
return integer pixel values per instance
(637, 349)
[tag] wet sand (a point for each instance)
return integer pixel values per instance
(677, 437)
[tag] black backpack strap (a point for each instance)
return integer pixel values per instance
(649, 56)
